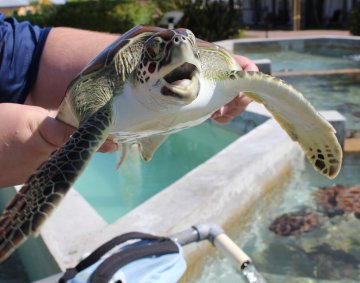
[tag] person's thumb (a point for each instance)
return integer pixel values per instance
(55, 132)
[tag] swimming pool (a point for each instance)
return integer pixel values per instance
(329, 253)
(303, 54)
(113, 192)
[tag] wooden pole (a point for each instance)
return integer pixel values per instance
(296, 14)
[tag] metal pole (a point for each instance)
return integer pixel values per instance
(215, 234)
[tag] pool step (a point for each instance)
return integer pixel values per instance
(352, 145)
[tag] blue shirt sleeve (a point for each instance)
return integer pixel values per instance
(21, 46)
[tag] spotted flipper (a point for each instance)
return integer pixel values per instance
(296, 116)
(294, 113)
(32, 205)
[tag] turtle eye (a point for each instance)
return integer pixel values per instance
(154, 48)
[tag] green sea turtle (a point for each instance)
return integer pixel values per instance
(295, 223)
(326, 199)
(333, 264)
(338, 199)
(349, 200)
(150, 83)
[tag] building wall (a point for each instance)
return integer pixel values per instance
(9, 11)
(278, 13)
(26, 9)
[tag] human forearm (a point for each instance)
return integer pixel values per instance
(65, 54)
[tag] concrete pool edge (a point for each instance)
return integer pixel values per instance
(230, 44)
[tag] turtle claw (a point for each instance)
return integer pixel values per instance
(124, 152)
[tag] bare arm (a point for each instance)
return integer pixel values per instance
(66, 53)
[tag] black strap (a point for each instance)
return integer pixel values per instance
(103, 249)
(106, 270)
(70, 273)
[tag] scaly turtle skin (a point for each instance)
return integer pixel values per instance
(295, 223)
(150, 83)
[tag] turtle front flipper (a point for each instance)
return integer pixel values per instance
(295, 114)
(28, 210)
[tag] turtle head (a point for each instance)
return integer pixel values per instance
(170, 66)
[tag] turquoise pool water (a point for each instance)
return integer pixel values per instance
(13, 271)
(292, 57)
(332, 92)
(113, 192)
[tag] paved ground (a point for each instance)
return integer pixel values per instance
(281, 33)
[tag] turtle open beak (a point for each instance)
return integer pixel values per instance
(182, 82)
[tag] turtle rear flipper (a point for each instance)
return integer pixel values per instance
(44, 190)
(296, 116)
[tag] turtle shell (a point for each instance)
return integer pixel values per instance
(295, 223)
(107, 55)
(326, 199)
(330, 263)
(349, 200)
(337, 199)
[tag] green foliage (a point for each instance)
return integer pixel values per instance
(41, 18)
(354, 21)
(35, 19)
(170, 5)
(211, 20)
(132, 13)
(92, 15)
(102, 15)
(109, 16)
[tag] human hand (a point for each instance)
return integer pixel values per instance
(235, 107)
(28, 135)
